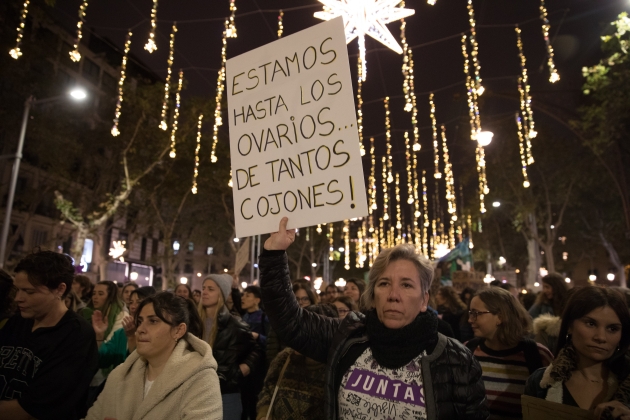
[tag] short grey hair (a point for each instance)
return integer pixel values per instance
(389, 255)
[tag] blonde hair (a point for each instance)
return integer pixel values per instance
(389, 255)
(217, 311)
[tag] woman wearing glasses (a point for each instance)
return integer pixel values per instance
(390, 362)
(304, 294)
(507, 357)
(344, 306)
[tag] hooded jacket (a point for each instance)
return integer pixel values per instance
(453, 387)
(547, 330)
(187, 388)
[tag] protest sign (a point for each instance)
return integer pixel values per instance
(294, 140)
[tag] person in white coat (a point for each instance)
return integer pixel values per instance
(172, 373)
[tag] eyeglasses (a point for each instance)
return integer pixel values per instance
(474, 314)
(304, 299)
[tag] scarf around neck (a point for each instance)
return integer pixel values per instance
(394, 348)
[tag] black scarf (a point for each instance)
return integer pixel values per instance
(394, 348)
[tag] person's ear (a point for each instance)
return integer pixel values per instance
(180, 331)
(425, 302)
(60, 290)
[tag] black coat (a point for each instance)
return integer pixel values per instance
(451, 376)
(234, 345)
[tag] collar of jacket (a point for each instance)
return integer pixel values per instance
(190, 356)
(351, 338)
(561, 370)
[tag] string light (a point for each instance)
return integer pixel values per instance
(173, 153)
(319, 228)
(331, 250)
(553, 73)
(381, 236)
(408, 82)
(230, 31)
(74, 54)
(366, 17)
(388, 139)
(416, 203)
(398, 211)
(410, 198)
(280, 24)
(522, 148)
(16, 52)
(167, 84)
(479, 89)
(372, 179)
(436, 145)
(115, 132)
(524, 88)
(385, 196)
(196, 173)
(230, 184)
(150, 46)
(218, 121)
(425, 214)
(451, 198)
(431, 2)
(346, 236)
(475, 129)
(360, 106)
(358, 260)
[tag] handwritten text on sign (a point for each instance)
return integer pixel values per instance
(293, 133)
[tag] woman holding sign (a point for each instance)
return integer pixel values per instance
(592, 367)
(389, 363)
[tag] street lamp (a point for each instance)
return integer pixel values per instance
(484, 138)
(77, 94)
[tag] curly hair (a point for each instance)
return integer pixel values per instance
(49, 269)
(453, 302)
(559, 292)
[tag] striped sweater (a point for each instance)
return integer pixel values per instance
(504, 376)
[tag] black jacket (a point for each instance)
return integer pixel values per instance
(234, 345)
(451, 376)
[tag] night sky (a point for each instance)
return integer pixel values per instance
(433, 33)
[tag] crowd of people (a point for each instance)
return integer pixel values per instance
(383, 348)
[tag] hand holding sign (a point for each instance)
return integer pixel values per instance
(294, 140)
(280, 240)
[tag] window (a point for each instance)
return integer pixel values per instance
(108, 82)
(86, 258)
(91, 70)
(39, 237)
(191, 247)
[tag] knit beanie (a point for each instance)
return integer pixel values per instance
(224, 281)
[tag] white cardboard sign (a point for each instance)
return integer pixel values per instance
(294, 141)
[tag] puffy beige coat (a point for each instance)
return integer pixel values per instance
(187, 388)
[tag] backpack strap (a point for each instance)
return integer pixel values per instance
(532, 355)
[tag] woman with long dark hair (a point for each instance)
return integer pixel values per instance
(591, 360)
(354, 289)
(451, 308)
(106, 302)
(83, 287)
(171, 375)
(125, 293)
(552, 298)
(184, 291)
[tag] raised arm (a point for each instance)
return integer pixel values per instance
(304, 331)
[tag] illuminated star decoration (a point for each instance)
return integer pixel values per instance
(366, 17)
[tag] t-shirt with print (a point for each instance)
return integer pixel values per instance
(371, 391)
(48, 370)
